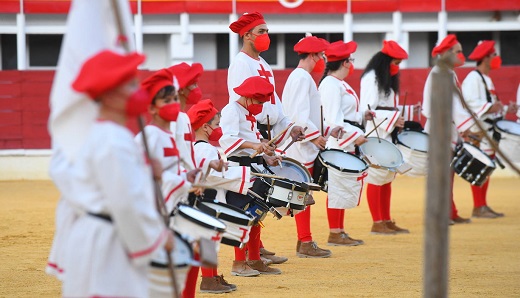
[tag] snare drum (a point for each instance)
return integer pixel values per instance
(295, 171)
(382, 154)
(238, 222)
(159, 277)
(509, 139)
(194, 224)
(414, 147)
(339, 160)
(472, 164)
(257, 208)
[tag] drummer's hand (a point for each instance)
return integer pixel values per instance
(198, 191)
(417, 109)
(297, 133)
(465, 134)
(512, 108)
(156, 169)
(369, 115)
(496, 107)
(360, 140)
(218, 165)
(169, 244)
(320, 142)
(272, 160)
(192, 175)
(336, 131)
(400, 122)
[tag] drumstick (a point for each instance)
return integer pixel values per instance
(274, 139)
(267, 176)
(340, 134)
(292, 142)
(376, 127)
(404, 103)
(374, 122)
(321, 109)
(268, 129)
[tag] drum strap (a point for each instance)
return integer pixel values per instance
(488, 94)
(262, 128)
(101, 216)
(353, 123)
(246, 160)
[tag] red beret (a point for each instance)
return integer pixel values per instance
(447, 43)
(201, 112)
(246, 22)
(255, 87)
(340, 50)
(105, 71)
(394, 50)
(187, 74)
(483, 48)
(157, 81)
(311, 44)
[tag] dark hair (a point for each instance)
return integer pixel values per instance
(380, 63)
(331, 66)
(303, 56)
(479, 62)
(164, 92)
(209, 122)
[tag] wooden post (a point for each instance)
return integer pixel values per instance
(438, 186)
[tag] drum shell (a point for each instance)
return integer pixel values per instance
(257, 208)
(194, 229)
(510, 140)
(418, 160)
(321, 168)
(286, 193)
(470, 168)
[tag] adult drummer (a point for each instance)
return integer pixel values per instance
(449, 49)
(380, 90)
(341, 108)
(479, 92)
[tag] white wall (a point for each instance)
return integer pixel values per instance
(418, 54)
(205, 50)
(368, 45)
(155, 46)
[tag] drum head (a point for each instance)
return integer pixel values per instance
(292, 170)
(508, 127)
(386, 153)
(220, 208)
(201, 218)
(479, 154)
(414, 140)
(342, 160)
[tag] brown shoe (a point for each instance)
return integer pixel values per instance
(298, 244)
(224, 282)
(460, 220)
(212, 285)
(347, 236)
(483, 212)
(338, 239)
(311, 250)
(241, 268)
(498, 214)
(380, 228)
(266, 260)
(392, 226)
(265, 252)
(309, 200)
(276, 259)
(259, 266)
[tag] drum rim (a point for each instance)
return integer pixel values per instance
(224, 216)
(232, 242)
(326, 163)
(403, 144)
(156, 264)
(201, 223)
(282, 182)
(383, 166)
(494, 166)
(291, 205)
(500, 130)
(300, 165)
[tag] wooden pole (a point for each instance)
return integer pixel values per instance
(438, 186)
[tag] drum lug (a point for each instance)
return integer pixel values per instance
(289, 196)
(466, 167)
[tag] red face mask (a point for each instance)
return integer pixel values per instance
(255, 108)
(496, 62)
(319, 67)
(394, 69)
(170, 112)
(194, 96)
(137, 103)
(262, 42)
(462, 59)
(215, 134)
(351, 68)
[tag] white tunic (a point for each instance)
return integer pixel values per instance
(243, 67)
(238, 126)
(111, 258)
(184, 136)
(474, 91)
(340, 102)
(301, 103)
(461, 121)
(236, 179)
(163, 147)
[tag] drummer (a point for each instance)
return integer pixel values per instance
(479, 92)
(240, 138)
(341, 108)
(380, 90)
(449, 47)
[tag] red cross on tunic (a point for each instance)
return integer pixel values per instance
(173, 151)
(353, 94)
(267, 74)
(216, 237)
(251, 119)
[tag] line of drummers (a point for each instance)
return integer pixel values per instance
(269, 164)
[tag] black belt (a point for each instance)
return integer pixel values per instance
(353, 123)
(261, 126)
(101, 216)
(246, 160)
(387, 109)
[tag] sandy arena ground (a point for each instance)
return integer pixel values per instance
(484, 255)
